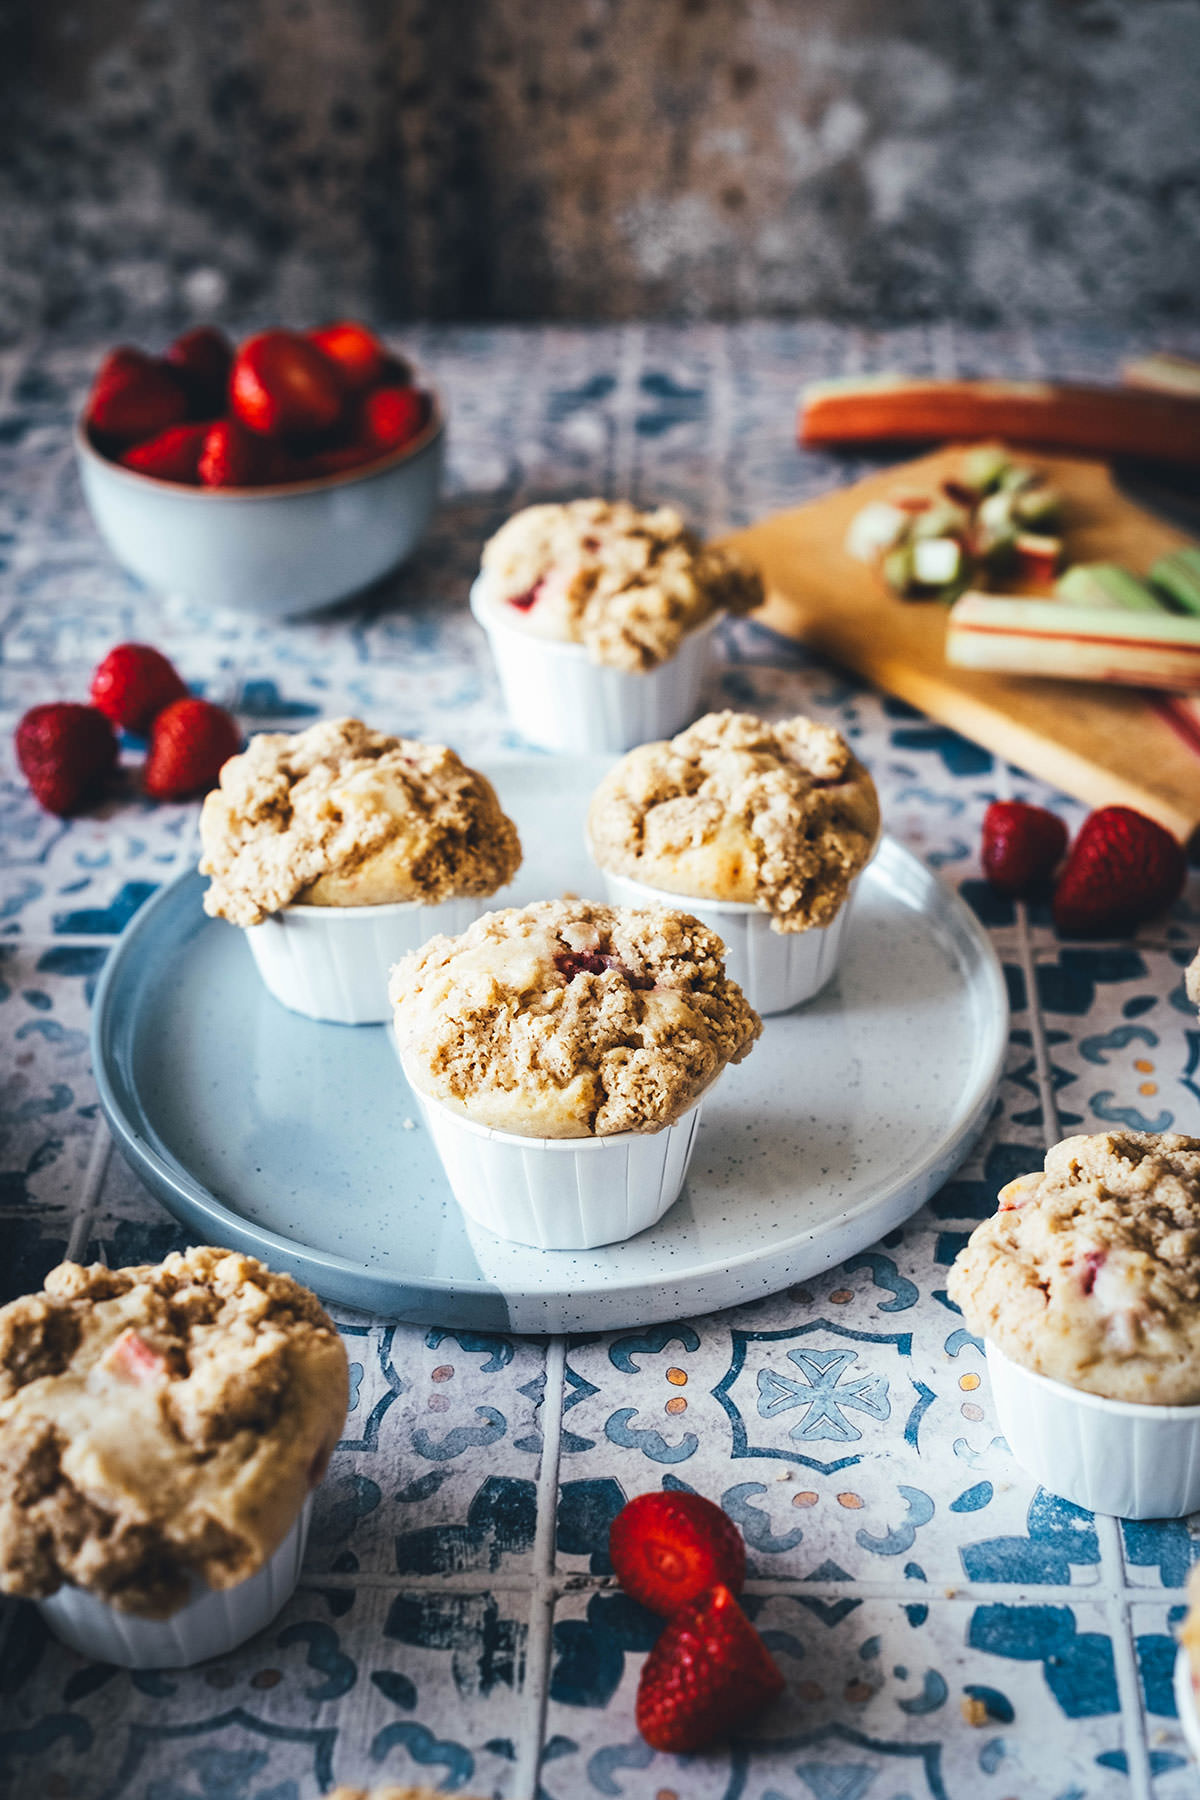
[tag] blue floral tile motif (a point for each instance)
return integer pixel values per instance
(836, 1393)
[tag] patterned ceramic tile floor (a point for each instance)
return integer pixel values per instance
(947, 1629)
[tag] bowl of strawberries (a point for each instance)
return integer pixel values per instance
(273, 478)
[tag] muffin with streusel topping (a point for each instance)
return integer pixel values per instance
(761, 828)
(161, 1430)
(339, 848)
(600, 618)
(1085, 1286)
(567, 1024)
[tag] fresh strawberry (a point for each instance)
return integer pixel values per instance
(133, 684)
(189, 742)
(356, 351)
(667, 1548)
(202, 360)
(1022, 847)
(709, 1673)
(67, 753)
(283, 386)
(1123, 868)
(391, 416)
(133, 397)
(233, 457)
(174, 455)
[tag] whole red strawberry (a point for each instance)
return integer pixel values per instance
(133, 397)
(708, 1674)
(357, 352)
(202, 360)
(189, 742)
(667, 1548)
(1022, 847)
(67, 753)
(283, 386)
(231, 456)
(133, 684)
(1123, 868)
(391, 416)
(174, 455)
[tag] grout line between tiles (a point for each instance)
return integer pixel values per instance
(539, 1643)
(1137, 1753)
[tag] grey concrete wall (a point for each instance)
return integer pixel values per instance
(995, 160)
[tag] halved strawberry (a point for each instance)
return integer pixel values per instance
(189, 743)
(1022, 847)
(133, 684)
(391, 416)
(284, 386)
(67, 754)
(133, 397)
(1123, 868)
(233, 457)
(202, 359)
(666, 1548)
(174, 455)
(357, 352)
(708, 1674)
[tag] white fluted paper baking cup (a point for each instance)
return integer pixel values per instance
(1109, 1456)
(214, 1621)
(562, 1193)
(556, 696)
(776, 970)
(332, 962)
(1185, 1701)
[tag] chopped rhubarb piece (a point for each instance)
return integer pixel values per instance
(1092, 1262)
(1038, 557)
(571, 963)
(132, 1358)
(529, 598)
(937, 561)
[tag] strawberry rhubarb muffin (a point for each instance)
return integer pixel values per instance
(162, 1428)
(600, 618)
(560, 1052)
(762, 828)
(340, 848)
(1085, 1285)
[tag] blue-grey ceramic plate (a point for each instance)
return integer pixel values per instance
(301, 1143)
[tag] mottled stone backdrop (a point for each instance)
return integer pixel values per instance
(870, 159)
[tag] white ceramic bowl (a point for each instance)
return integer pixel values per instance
(1185, 1701)
(332, 962)
(1108, 1456)
(213, 1622)
(268, 551)
(776, 970)
(556, 696)
(562, 1193)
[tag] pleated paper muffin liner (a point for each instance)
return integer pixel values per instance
(562, 1193)
(332, 962)
(213, 1622)
(776, 970)
(556, 696)
(1108, 1456)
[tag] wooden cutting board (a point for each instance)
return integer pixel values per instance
(1105, 745)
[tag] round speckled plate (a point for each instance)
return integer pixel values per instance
(301, 1143)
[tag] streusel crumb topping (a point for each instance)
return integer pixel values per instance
(570, 1019)
(340, 815)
